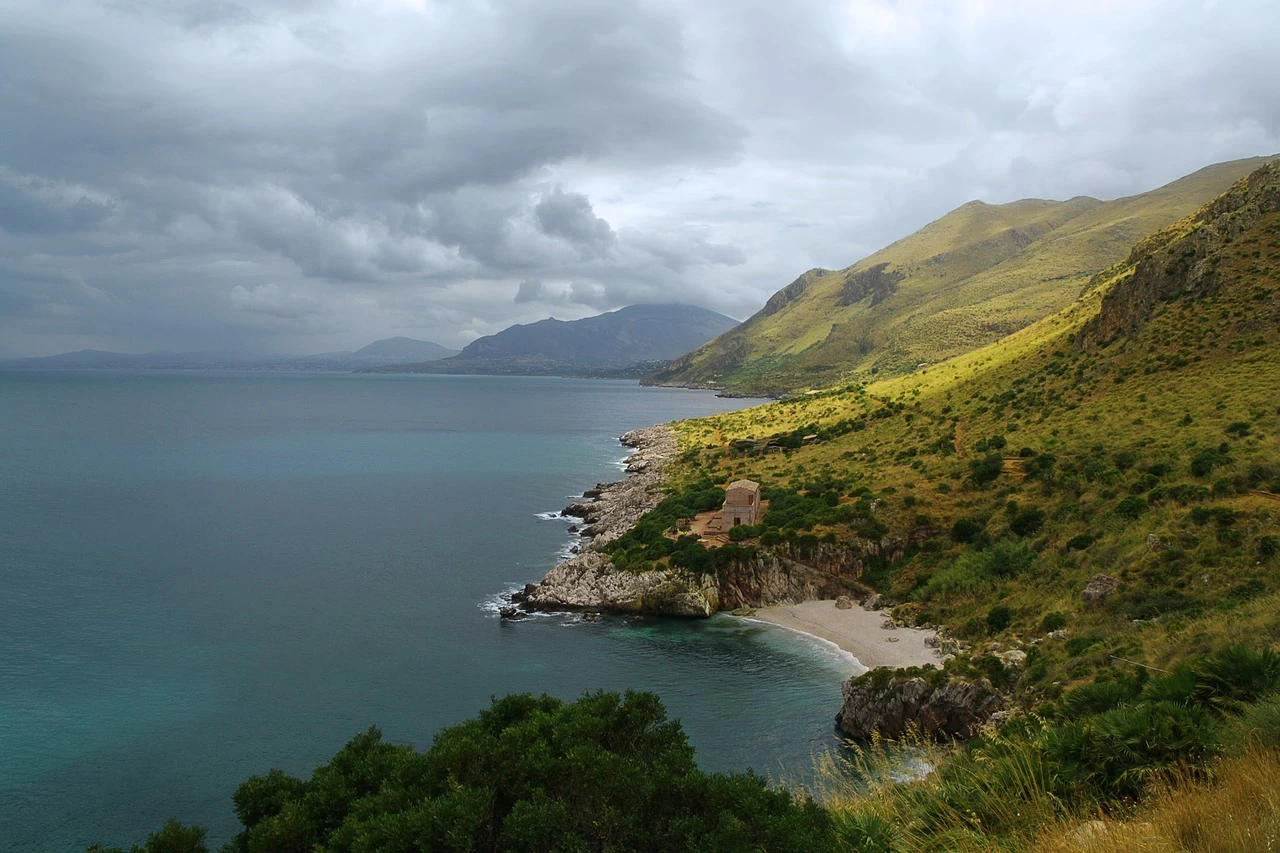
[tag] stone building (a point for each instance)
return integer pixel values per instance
(741, 504)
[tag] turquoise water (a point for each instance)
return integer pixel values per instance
(203, 576)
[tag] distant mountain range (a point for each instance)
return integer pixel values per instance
(630, 340)
(383, 352)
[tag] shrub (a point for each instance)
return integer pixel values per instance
(1079, 542)
(1098, 697)
(1268, 547)
(999, 618)
(1235, 675)
(865, 833)
(1239, 428)
(967, 530)
(1028, 522)
(1203, 463)
(1131, 507)
(987, 469)
(1124, 459)
(530, 773)
(1053, 622)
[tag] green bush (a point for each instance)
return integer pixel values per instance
(859, 832)
(967, 530)
(1053, 621)
(1204, 462)
(1079, 542)
(1131, 507)
(1098, 697)
(1124, 459)
(1028, 522)
(999, 618)
(607, 772)
(173, 837)
(985, 470)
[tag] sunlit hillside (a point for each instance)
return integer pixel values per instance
(976, 275)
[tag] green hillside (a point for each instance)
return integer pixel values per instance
(1147, 406)
(1128, 446)
(965, 280)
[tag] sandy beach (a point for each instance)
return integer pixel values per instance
(856, 631)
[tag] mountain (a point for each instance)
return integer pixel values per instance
(386, 351)
(403, 349)
(971, 277)
(610, 342)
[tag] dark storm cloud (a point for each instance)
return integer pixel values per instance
(569, 216)
(309, 174)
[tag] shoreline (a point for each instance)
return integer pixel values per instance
(586, 582)
(859, 633)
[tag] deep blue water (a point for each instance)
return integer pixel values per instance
(203, 576)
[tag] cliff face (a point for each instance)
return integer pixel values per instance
(950, 708)
(1173, 264)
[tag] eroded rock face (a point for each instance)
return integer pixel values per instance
(1099, 588)
(1165, 269)
(951, 708)
(589, 581)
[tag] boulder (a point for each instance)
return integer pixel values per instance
(1013, 659)
(891, 705)
(872, 602)
(844, 603)
(1099, 588)
(511, 613)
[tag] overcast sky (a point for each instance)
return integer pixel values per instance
(307, 175)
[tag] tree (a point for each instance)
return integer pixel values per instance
(531, 773)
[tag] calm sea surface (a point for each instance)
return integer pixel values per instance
(203, 576)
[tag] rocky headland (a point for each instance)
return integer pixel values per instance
(810, 592)
(588, 581)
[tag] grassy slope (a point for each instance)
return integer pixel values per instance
(971, 277)
(1201, 365)
(1122, 422)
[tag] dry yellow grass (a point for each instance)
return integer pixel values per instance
(1236, 811)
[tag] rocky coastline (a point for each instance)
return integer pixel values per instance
(588, 581)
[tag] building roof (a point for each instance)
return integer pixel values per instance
(749, 485)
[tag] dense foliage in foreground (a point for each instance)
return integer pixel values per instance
(611, 772)
(607, 772)
(1098, 750)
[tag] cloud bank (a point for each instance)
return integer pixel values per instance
(305, 175)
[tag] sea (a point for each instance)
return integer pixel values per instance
(207, 575)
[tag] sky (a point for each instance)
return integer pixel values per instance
(311, 175)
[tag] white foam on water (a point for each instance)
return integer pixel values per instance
(555, 515)
(828, 649)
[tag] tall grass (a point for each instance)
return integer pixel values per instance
(1235, 811)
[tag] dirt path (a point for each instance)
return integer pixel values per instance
(958, 444)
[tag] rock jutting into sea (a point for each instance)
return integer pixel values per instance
(588, 580)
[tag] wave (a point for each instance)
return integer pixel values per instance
(828, 649)
(555, 515)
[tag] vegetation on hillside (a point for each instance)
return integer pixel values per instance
(965, 280)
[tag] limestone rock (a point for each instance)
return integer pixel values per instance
(872, 602)
(844, 603)
(1098, 588)
(951, 708)
(1013, 659)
